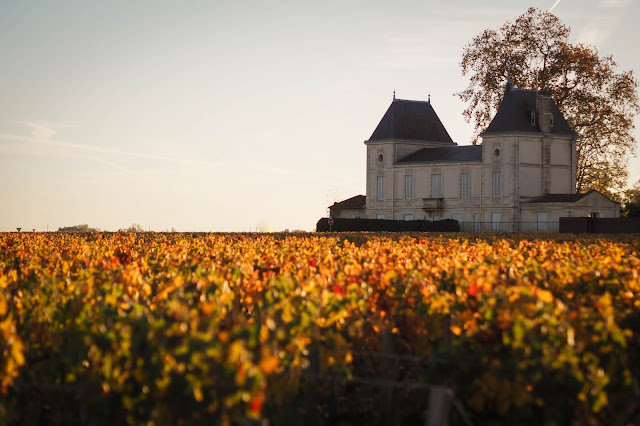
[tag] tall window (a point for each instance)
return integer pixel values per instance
(380, 187)
(408, 187)
(436, 186)
(464, 185)
(542, 222)
(476, 222)
(496, 218)
(497, 184)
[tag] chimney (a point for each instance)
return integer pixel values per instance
(544, 111)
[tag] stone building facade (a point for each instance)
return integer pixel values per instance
(521, 178)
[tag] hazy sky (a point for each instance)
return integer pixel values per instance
(227, 116)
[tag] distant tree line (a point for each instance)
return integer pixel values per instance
(78, 228)
(136, 227)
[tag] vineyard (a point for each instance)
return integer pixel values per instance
(180, 329)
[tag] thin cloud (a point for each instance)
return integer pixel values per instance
(87, 148)
(598, 30)
(414, 52)
(108, 163)
(481, 12)
(45, 129)
(614, 3)
(41, 132)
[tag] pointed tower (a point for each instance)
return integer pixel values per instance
(406, 127)
(529, 150)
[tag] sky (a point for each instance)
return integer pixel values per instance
(232, 116)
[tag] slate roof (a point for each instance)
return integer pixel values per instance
(412, 121)
(565, 198)
(514, 114)
(357, 202)
(558, 198)
(449, 154)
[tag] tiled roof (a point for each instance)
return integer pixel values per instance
(449, 154)
(357, 202)
(413, 121)
(514, 114)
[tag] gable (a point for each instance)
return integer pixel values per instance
(594, 198)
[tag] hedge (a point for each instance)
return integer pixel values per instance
(384, 225)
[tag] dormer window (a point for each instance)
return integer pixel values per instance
(533, 118)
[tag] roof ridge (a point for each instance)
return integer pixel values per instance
(411, 100)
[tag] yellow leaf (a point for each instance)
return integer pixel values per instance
(3, 305)
(456, 330)
(208, 307)
(16, 352)
(544, 295)
(389, 275)
(269, 364)
(264, 334)
(197, 394)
